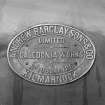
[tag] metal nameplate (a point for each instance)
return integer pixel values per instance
(51, 54)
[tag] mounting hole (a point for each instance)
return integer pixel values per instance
(75, 45)
(26, 45)
(26, 63)
(75, 63)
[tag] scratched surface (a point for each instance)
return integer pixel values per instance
(88, 15)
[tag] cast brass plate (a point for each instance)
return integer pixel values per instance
(51, 54)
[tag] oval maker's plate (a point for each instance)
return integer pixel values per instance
(51, 54)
